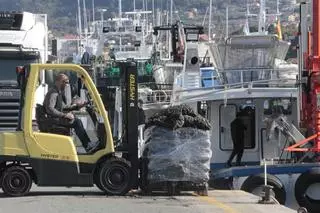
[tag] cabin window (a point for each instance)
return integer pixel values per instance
(278, 106)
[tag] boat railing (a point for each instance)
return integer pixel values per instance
(161, 94)
(153, 94)
(242, 78)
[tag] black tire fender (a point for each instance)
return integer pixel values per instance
(255, 181)
(301, 186)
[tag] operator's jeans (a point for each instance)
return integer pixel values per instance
(80, 131)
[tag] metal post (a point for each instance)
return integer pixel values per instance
(265, 172)
(210, 18)
(79, 19)
(227, 21)
(120, 10)
(262, 16)
(101, 17)
(93, 12)
(85, 23)
(147, 22)
(171, 11)
(153, 14)
(120, 24)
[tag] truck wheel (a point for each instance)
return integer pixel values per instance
(114, 176)
(256, 182)
(304, 181)
(16, 181)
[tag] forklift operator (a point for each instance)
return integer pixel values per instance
(60, 114)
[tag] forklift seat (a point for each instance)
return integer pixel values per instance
(46, 125)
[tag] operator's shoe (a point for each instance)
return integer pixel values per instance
(92, 146)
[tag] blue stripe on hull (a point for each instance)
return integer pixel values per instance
(220, 170)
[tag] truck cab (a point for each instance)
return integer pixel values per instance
(23, 40)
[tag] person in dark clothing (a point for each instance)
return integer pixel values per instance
(142, 116)
(237, 134)
(60, 114)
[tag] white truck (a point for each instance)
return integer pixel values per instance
(23, 40)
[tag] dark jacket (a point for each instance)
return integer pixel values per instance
(54, 104)
(237, 129)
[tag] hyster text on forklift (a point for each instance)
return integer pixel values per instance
(51, 158)
(23, 40)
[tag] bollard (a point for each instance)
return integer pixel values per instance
(266, 198)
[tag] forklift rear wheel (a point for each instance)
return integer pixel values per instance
(114, 176)
(16, 181)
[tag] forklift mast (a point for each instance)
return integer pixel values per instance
(129, 91)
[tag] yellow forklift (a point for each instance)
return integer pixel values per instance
(50, 159)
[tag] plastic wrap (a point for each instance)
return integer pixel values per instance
(177, 155)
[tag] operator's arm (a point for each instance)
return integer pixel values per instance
(68, 108)
(77, 104)
(50, 106)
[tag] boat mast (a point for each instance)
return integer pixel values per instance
(93, 12)
(262, 17)
(227, 21)
(210, 18)
(79, 24)
(153, 13)
(85, 23)
(120, 24)
(171, 11)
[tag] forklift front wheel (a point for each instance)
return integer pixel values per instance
(114, 176)
(16, 181)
